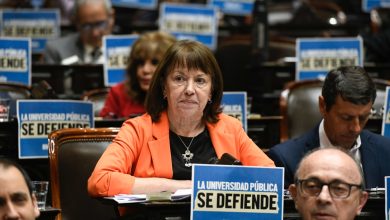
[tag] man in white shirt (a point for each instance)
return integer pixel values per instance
(347, 97)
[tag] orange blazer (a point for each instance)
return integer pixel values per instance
(142, 149)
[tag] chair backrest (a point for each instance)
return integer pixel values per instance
(73, 154)
(299, 107)
(378, 106)
(13, 92)
(97, 97)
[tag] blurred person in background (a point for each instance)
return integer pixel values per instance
(127, 98)
(93, 19)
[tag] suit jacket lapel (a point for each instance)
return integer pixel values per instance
(368, 160)
(160, 150)
(223, 142)
(312, 140)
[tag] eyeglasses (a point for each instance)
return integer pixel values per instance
(337, 188)
(199, 81)
(101, 25)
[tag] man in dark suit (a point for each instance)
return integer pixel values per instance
(93, 19)
(347, 97)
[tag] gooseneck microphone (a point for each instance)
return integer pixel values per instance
(226, 159)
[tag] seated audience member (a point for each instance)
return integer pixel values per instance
(16, 198)
(344, 195)
(93, 19)
(377, 41)
(183, 125)
(347, 97)
(127, 98)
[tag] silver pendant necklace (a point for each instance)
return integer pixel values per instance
(187, 156)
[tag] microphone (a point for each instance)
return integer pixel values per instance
(213, 160)
(226, 159)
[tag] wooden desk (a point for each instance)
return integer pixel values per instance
(374, 209)
(178, 210)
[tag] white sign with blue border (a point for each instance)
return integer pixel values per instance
(316, 56)
(237, 192)
(144, 4)
(190, 21)
(234, 104)
(386, 114)
(38, 118)
(15, 60)
(234, 7)
(387, 197)
(39, 25)
(367, 5)
(116, 50)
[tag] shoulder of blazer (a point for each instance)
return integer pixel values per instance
(226, 123)
(370, 138)
(299, 145)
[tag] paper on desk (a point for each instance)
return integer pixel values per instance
(138, 198)
(128, 198)
(181, 194)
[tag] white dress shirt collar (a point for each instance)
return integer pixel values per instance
(325, 142)
(89, 58)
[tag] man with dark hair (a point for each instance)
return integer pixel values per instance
(16, 198)
(93, 20)
(344, 195)
(347, 97)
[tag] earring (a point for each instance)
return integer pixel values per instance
(210, 101)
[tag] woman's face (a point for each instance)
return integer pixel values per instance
(145, 71)
(187, 92)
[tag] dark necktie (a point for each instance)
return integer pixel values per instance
(95, 54)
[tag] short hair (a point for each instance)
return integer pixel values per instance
(79, 3)
(352, 83)
(342, 150)
(151, 45)
(8, 163)
(194, 56)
